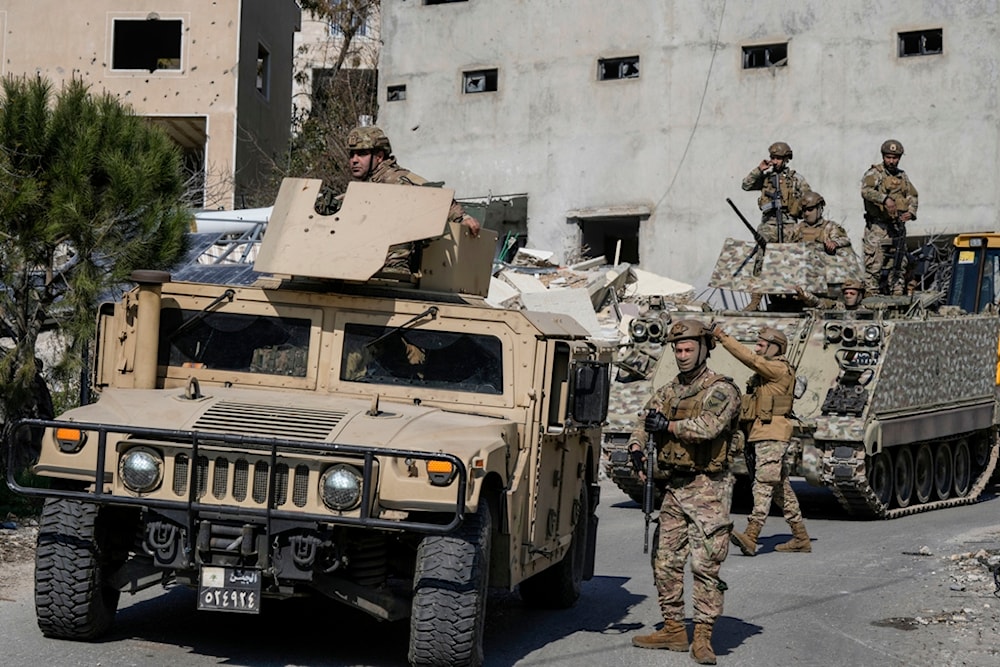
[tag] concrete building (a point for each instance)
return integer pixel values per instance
(637, 120)
(216, 75)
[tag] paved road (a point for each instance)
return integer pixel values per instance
(857, 600)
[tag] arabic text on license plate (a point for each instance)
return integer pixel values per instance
(229, 589)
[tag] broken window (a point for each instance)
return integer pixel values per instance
(921, 43)
(480, 81)
(149, 44)
(765, 55)
(263, 70)
(395, 93)
(610, 69)
(602, 236)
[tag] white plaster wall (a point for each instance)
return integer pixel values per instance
(681, 137)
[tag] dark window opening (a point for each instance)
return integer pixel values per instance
(610, 69)
(480, 81)
(601, 237)
(395, 93)
(146, 44)
(765, 55)
(447, 360)
(234, 342)
(921, 43)
(263, 70)
(442, 2)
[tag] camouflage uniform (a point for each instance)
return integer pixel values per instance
(881, 230)
(767, 406)
(823, 231)
(791, 187)
(389, 171)
(694, 514)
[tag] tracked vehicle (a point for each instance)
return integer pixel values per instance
(898, 412)
(332, 427)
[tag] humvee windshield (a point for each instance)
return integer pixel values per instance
(421, 358)
(234, 342)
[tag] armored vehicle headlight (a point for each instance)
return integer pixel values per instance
(141, 469)
(70, 440)
(833, 332)
(340, 487)
(440, 472)
(872, 334)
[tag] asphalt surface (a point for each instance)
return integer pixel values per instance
(903, 592)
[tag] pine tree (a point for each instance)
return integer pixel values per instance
(89, 192)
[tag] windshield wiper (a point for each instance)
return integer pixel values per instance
(229, 295)
(432, 311)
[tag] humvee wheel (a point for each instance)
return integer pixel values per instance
(880, 478)
(72, 599)
(449, 594)
(558, 587)
(942, 470)
(923, 473)
(902, 475)
(962, 469)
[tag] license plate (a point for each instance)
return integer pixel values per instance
(229, 589)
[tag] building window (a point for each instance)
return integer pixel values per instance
(395, 93)
(358, 22)
(921, 43)
(610, 69)
(765, 55)
(263, 70)
(149, 44)
(479, 81)
(441, 2)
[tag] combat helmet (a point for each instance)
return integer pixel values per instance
(368, 138)
(812, 198)
(853, 283)
(689, 329)
(772, 335)
(892, 147)
(780, 149)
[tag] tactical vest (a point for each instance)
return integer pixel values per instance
(765, 401)
(712, 456)
(789, 199)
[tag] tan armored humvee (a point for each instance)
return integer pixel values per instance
(382, 438)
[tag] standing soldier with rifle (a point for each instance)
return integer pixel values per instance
(690, 421)
(781, 190)
(890, 202)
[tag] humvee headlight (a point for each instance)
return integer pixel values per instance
(70, 440)
(872, 334)
(340, 487)
(440, 472)
(141, 469)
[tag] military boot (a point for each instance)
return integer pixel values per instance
(800, 540)
(701, 647)
(754, 303)
(747, 541)
(672, 636)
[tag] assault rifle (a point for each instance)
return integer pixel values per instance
(757, 237)
(649, 490)
(892, 275)
(776, 202)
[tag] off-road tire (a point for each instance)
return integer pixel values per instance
(558, 587)
(449, 594)
(72, 600)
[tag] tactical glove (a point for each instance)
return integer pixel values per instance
(655, 422)
(637, 459)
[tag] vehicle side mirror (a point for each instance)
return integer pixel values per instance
(589, 393)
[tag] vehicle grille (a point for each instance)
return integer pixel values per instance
(292, 423)
(237, 480)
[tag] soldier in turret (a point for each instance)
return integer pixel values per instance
(890, 202)
(780, 200)
(766, 410)
(814, 228)
(852, 293)
(691, 419)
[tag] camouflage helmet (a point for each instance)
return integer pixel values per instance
(772, 335)
(812, 199)
(368, 138)
(892, 147)
(853, 283)
(780, 149)
(689, 329)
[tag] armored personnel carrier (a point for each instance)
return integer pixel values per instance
(897, 403)
(333, 427)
